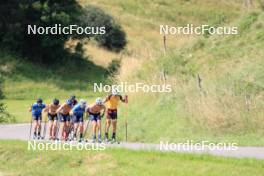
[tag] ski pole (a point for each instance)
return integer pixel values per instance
(87, 126)
(126, 111)
(29, 137)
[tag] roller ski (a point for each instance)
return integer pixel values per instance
(114, 141)
(99, 139)
(35, 137)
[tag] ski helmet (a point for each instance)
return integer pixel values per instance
(83, 102)
(69, 102)
(56, 102)
(98, 101)
(39, 101)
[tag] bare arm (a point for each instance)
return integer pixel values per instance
(122, 99)
(60, 108)
(30, 109)
(106, 99)
(87, 111)
(104, 108)
(47, 108)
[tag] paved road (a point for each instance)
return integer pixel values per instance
(21, 132)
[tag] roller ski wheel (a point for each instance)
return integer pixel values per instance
(114, 141)
(100, 140)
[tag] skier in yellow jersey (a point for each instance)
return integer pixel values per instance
(111, 118)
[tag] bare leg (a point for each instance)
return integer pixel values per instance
(107, 125)
(39, 127)
(50, 129)
(99, 127)
(114, 123)
(94, 128)
(76, 125)
(81, 127)
(99, 130)
(35, 126)
(54, 128)
(63, 126)
(67, 129)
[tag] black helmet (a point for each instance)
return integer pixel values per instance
(73, 97)
(39, 100)
(56, 102)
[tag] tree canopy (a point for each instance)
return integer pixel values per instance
(16, 15)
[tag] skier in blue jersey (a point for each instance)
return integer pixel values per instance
(78, 112)
(36, 110)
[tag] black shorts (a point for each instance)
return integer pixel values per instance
(112, 114)
(37, 117)
(52, 117)
(65, 117)
(77, 119)
(94, 117)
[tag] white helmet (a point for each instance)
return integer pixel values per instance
(114, 92)
(83, 102)
(99, 101)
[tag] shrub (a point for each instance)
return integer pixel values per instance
(113, 68)
(114, 38)
(16, 15)
(4, 116)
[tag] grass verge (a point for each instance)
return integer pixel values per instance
(15, 159)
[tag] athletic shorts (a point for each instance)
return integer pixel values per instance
(64, 117)
(52, 117)
(77, 118)
(36, 117)
(94, 117)
(112, 114)
(72, 118)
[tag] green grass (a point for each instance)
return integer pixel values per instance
(25, 80)
(15, 159)
(231, 69)
(141, 19)
(230, 66)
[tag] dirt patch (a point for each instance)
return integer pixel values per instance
(5, 174)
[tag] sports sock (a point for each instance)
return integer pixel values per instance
(114, 136)
(94, 136)
(81, 135)
(38, 133)
(106, 135)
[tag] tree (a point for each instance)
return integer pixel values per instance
(114, 38)
(16, 15)
(4, 116)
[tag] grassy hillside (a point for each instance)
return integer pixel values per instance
(228, 108)
(25, 82)
(118, 162)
